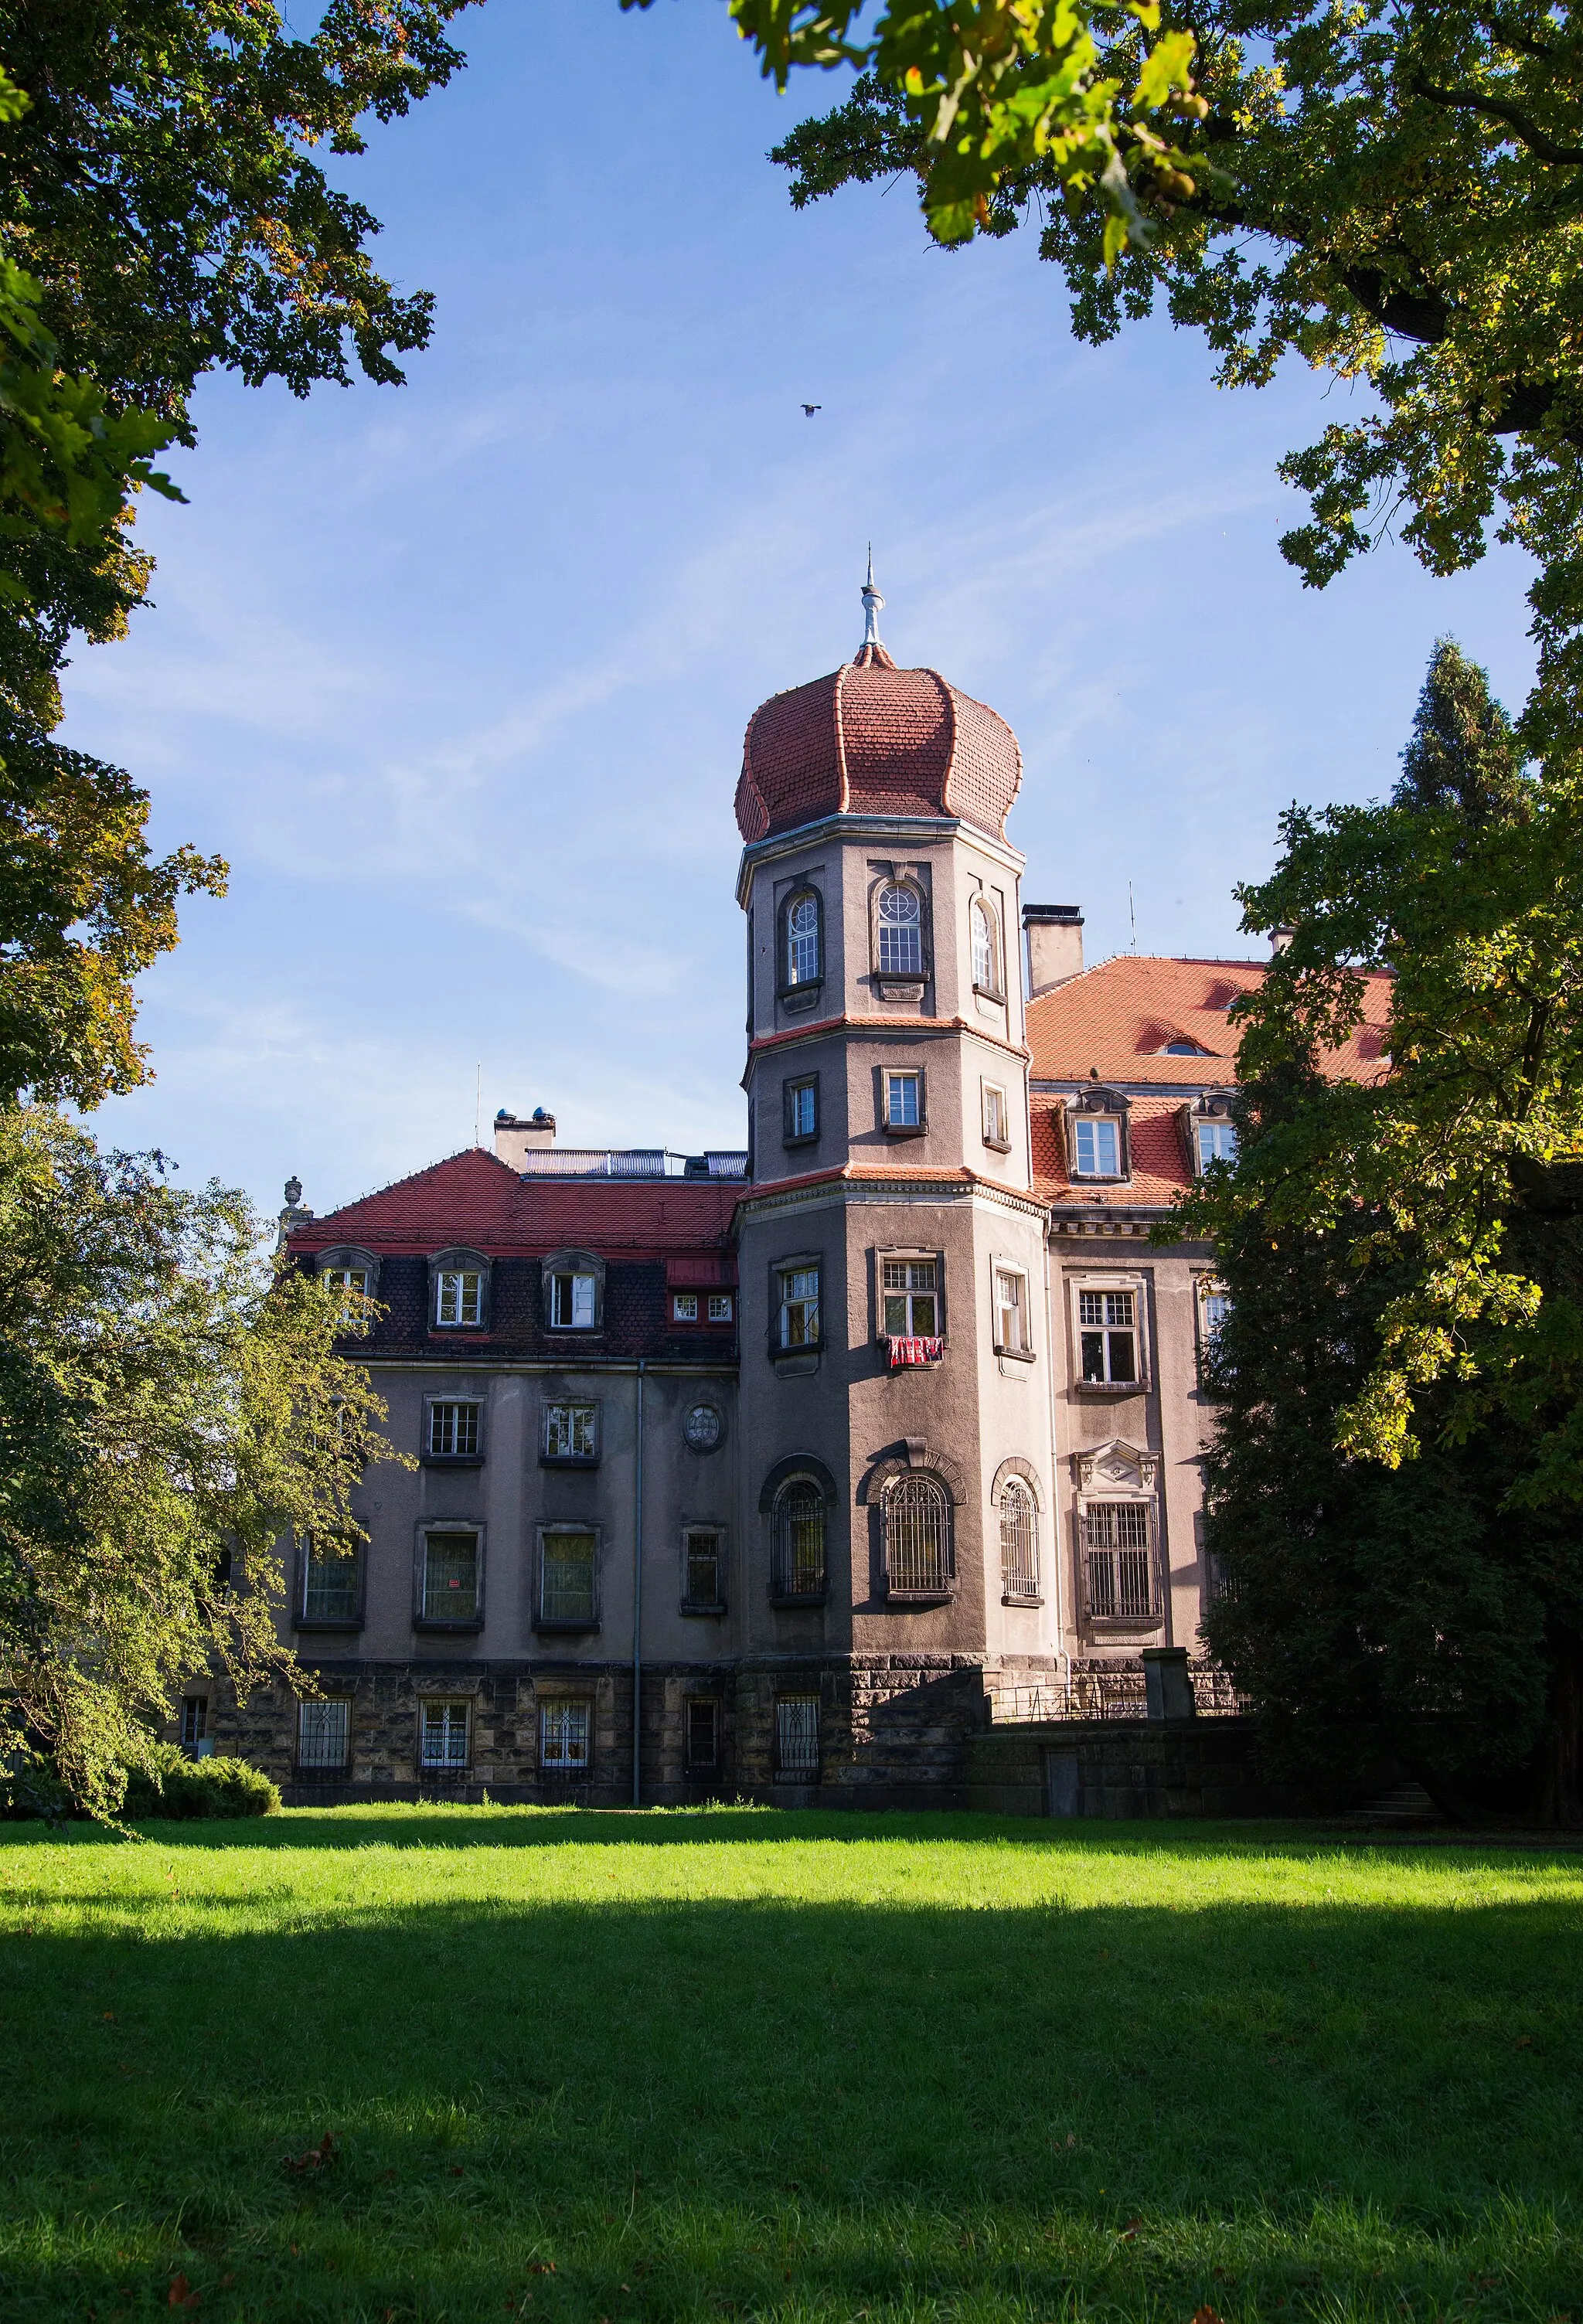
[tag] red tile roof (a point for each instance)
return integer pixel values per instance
(1119, 1016)
(871, 739)
(1159, 1155)
(473, 1199)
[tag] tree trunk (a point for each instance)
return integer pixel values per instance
(1557, 1795)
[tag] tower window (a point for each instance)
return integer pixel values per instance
(901, 931)
(903, 1101)
(911, 1298)
(985, 949)
(801, 1110)
(798, 1317)
(996, 1120)
(1011, 1312)
(803, 946)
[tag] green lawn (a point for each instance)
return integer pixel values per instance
(752, 2064)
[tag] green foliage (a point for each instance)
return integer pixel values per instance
(735, 2062)
(168, 1784)
(1404, 1251)
(171, 1409)
(997, 86)
(1386, 192)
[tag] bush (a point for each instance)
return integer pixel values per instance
(175, 1785)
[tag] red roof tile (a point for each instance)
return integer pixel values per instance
(473, 1199)
(871, 739)
(1118, 1016)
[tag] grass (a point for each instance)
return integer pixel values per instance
(742, 2063)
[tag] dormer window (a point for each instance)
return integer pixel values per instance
(1184, 1048)
(574, 1291)
(1096, 1148)
(901, 931)
(985, 950)
(459, 1290)
(354, 1274)
(1216, 1142)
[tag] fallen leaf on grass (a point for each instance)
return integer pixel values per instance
(1525, 2042)
(541, 2267)
(1131, 2228)
(455, 2169)
(1205, 2315)
(183, 2295)
(318, 2158)
(296, 2252)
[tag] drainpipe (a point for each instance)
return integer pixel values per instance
(638, 1604)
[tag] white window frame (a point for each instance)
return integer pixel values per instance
(995, 1116)
(456, 1405)
(992, 985)
(684, 1306)
(582, 1299)
(907, 1291)
(581, 1418)
(565, 1725)
(787, 1272)
(895, 929)
(1011, 1270)
(722, 1308)
(194, 1721)
(350, 1279)
(332, 1745)
(1110, 1284)
(801, 1097)
(458, 1308)
(803, 963)
(894, 1081)
(1093, 1124)
(1220, 1128)
(447, 1762)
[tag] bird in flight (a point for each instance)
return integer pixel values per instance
(810, 408)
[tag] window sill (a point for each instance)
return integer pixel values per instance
(1110, 1387)
(1017, 1355)
(431, 1773)
(1019, 1598)
(576, 1773)
(1080, 1180)
(780, 1355)
(545, 1626)
(457, 1331)
(568, 1460)
(906, 1130)
(1125, 1626)
(998, 1145)
(988, 992)
(941, 1597)
(573, 1330)
(321, 1775)
(450, 1460)
(440, 1625)
(899, 988)
(343, 1622)
(792, 1144)
(803, 1597)
(712, 1606)
(797, 997)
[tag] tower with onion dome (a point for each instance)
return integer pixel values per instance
(895, 1406)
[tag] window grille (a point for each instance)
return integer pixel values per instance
(901, 932)
(797, 1735)
(322, 1731)
(330, 1576)
(684, 1306)
(917, 1538)
(911, 1298)
(1097, 1147)
(1011, 1299)
(571, 1303)
(800, 1540)
(450, 1577)
(801, 1109)
(995, 1133)
(1107, 1331)
(194, 1720)
(566, 1584)
(563, 1734)
(1120, 1561)
(570, 1431)
(800, 1307)
(443, 1735)
(1217, 1142)
(903, 1101)
(453, 1429)
(1019, 1542)
(703, 1567)
(984, 975)
(703, 1736)
(802, 940)
(458, 1297)
(722, 1306)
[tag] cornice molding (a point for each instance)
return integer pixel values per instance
(861, 828)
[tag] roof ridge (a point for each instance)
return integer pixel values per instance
(410, 1178)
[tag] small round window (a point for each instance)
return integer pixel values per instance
(702, 1427)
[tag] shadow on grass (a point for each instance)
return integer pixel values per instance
(680, 2109)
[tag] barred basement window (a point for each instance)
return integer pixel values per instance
(797, 1736)
(703, 1742)
(917, 1521)
(1119, 1560)
(1107, 1323)
(450, 1576)
(458, 1297)
(800, 1540)
(563, 1734)
(194, 1721)
(322, 1733)
(330, 1577)
(443, 1735)
(1019, 1544)
(566, 1586)
(453, 1429)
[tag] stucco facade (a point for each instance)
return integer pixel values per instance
(771, 1473)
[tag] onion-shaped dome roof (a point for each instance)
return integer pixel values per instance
(871, 739)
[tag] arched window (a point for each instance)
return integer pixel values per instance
(804, 966)
(1019, 1542)
(982, 921)
(918, 1531)
(800, 1540)
(901, 931)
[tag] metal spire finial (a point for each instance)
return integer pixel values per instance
(872, 602)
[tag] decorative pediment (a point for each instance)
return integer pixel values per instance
(1117, 1468)
(1100, 1099)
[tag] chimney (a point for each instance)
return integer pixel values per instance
(514, 1139)
(1054, 934)
(1279, 938)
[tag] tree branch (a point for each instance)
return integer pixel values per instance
(1491, 109)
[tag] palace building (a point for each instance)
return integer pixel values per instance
(772, 1473)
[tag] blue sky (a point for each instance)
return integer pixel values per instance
(455, 674)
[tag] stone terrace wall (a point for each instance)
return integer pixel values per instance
(1120, 1767)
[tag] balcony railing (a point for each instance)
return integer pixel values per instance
(628, 1162)
(1109, 1691)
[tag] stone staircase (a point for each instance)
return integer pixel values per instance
(1397, 1810)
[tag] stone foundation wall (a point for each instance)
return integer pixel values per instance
(1120, 1767)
